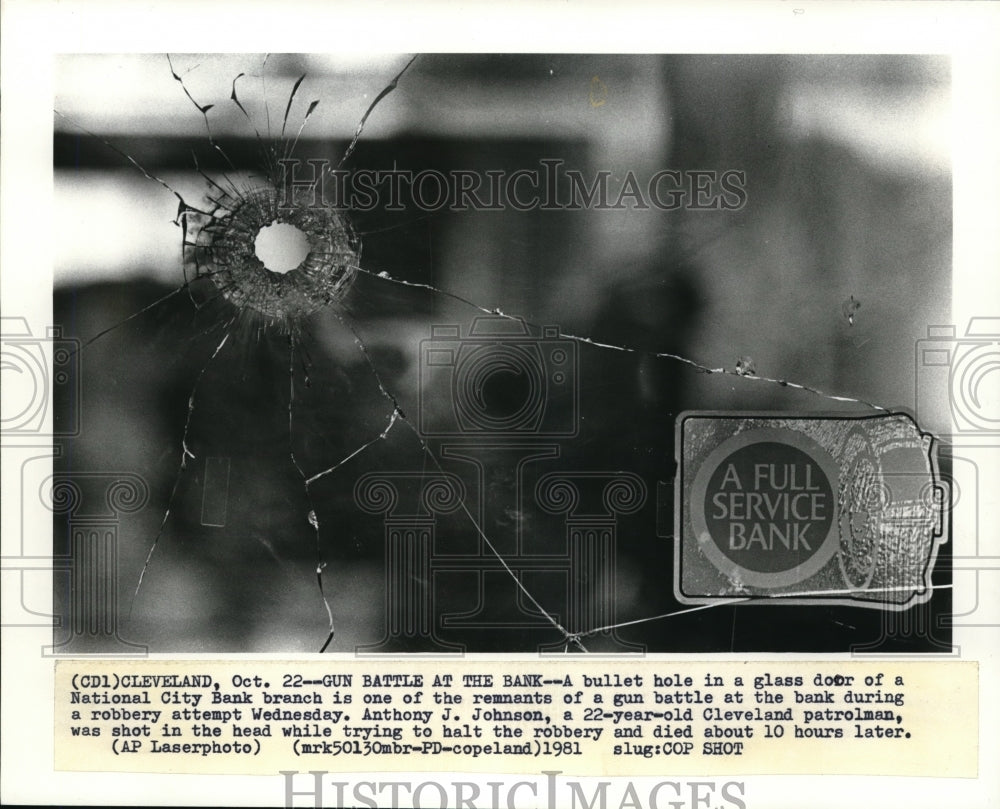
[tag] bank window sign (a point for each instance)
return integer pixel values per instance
(828, 509)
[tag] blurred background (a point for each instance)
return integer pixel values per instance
(827, 276)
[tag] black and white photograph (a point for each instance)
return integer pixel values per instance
(388, 354)
(430, 349)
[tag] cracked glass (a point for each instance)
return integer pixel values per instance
(441, 415)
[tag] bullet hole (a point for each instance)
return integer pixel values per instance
(281, 246)
(281, 286)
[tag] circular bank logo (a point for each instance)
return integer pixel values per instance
(764, 507)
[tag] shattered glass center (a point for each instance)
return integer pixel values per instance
(226, 252)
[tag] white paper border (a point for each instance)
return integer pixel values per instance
(33, 31)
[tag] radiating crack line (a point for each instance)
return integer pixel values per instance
(311, 517)
(203, 110)
(569, 637)
(758, 599)
(380, 437)
(853, 591)
(185, 454)
(100, 334)
(142, 170)
(288, 107)
(364, 118)
(636, 621)
(663, 355)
